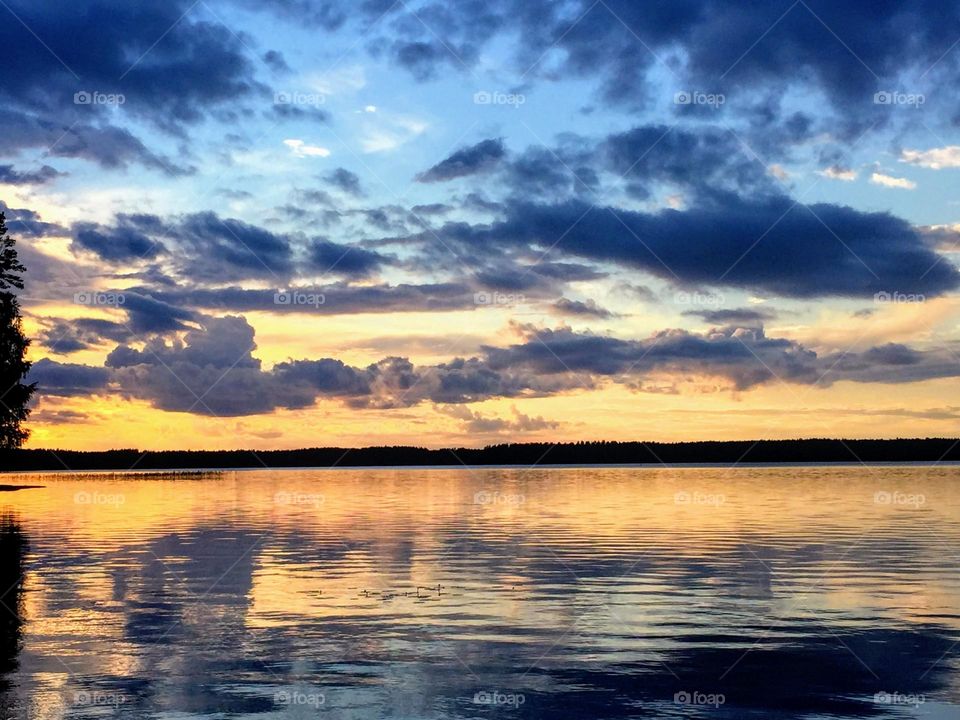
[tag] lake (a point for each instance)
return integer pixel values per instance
(794, 592)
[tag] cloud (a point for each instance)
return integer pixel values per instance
(734, 316)
(146, 314)
(889, 181)
(588, 308)
(221, 249)
(342, 80)
(212, 370)
(836, 172)
(275, 60)
(41, 176)
(199, 68)
(935, 159)
(331, 257)
(288, 111)
(61, 336)
(468, 161)
(339, 298)
(344, 180)
(705, 160)
(109, 147)
(475, 423)
(24, 221)
(389, 132)
(200, 246)
(300, 149)
(721, 51)
(68, 380)
(772, 244)
(123, 243)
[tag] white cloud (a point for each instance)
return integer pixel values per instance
(892, 182)
(778, 171)
(676, 202)
(836, 172)
(338, 82)
(935, 159)
(390, 133)
(301, 149)
(370, 108)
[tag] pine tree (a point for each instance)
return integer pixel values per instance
(14, 394)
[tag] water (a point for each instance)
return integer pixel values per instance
(821, 592)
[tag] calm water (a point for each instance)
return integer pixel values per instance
(563, 593)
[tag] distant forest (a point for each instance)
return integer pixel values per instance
(524, 454)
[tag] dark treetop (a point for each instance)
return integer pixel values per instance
(525, 454)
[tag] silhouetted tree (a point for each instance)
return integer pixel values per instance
(14, 394)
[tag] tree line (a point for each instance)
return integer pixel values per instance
(522, 454)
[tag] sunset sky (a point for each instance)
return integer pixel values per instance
(288, 223)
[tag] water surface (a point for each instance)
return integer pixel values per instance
(821, 592)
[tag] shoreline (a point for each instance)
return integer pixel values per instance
(186, 472)
(751, 453)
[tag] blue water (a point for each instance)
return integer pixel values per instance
(821, 592)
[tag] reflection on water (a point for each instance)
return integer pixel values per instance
(13, 548)
(549, 593)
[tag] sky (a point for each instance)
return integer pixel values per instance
(291, 223)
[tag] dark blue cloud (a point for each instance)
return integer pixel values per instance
(847, 51)
(122, 243)
(113, 47)
(582, 308)
(773, 245)
(733, 316)
(11, 176)
(23, 221)
(333, 258)
(224, 249)
(68, 380)
(469, 161)
(286, 111)
(146, 314)
(344, 180)
(338, 298)
(705, 160)
(275, 60)
(106, 145)
(61, 336)
(76, 77)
